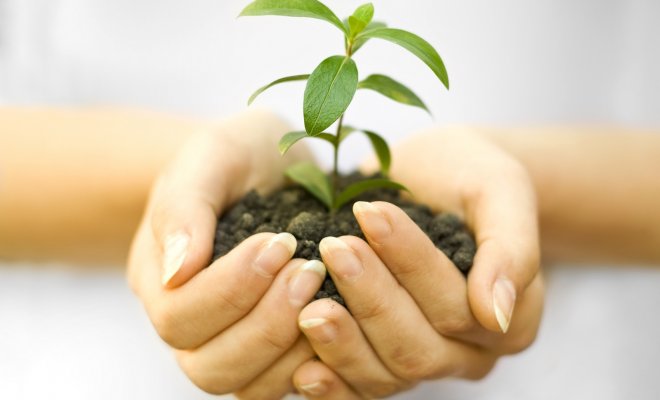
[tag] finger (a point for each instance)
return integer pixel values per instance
(277, 380)
(508, 255)
(316, 381)
(190, 315)
(243, 351)
(186, 202)
(339, 343)
(431, 279)
(413, 351)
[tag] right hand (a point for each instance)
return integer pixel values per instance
(233, 325)
(414, 316)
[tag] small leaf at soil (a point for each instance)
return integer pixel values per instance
(329, 92)
(415, 44)
(289, 140)
(294, 8)
(358, 188)
(346, 130)
(377, 142)
(277, 82)
(312, 179)
(392, 89)
(292, 138)
(382, 151)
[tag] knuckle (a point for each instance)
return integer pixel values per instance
(204, 378)
(415, 366)
(454, 326)
(233, 300)
(481, 370)
(520, 342)
(256, 392)
(385, 389)
(167, 327)
(277, 338)
(371, 311)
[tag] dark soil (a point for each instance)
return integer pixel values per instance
(294, 210)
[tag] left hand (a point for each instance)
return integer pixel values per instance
(414, 316)
(232, 326)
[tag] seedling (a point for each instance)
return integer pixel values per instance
(332, 86)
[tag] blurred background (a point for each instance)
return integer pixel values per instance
(73, 333)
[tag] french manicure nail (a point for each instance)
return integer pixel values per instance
(275, 254)
(319, 329)
(344, 262)
(176, 249)
(504, 299)
(372, 220)
(305, 282)
(314, 389)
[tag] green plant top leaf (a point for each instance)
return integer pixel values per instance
(276, 82)
(360, 19)
(414, 44)
(392, 89)
(329, 91)
(331, 87)
(294, 8)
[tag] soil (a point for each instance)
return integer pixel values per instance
(292, 209)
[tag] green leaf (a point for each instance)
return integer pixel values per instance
(294, 8)
(360, 19)
(360, 40)
(277, 82)
(329, 92)
(355, 26)
(345, 131)
(379, 144)
(312, 179)
(292, 138)
(382, 151)
(289, 140)
(328, 137)
(413, 43)
(358, 188)
(394, 90)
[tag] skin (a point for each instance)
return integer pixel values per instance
(74, 182)
(489, 187)
(455, 335)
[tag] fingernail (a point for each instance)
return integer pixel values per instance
(305, 283)
(319, 329)
(344, 262)
(371, 220)
(314, 389)
(504, 299)
(275, 254)
(176, 249)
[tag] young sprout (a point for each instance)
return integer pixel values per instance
(331, 87)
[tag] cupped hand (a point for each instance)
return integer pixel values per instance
(414, 316)
(233, 325)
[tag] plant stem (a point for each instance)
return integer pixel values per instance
(335, 164)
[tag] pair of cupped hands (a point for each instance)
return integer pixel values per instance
(247, 323)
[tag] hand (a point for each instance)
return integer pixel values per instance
(233, 325)
(414, 316)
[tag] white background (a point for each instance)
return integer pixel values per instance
(74, 334)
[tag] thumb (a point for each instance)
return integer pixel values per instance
(508, 254)
(185, 204)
